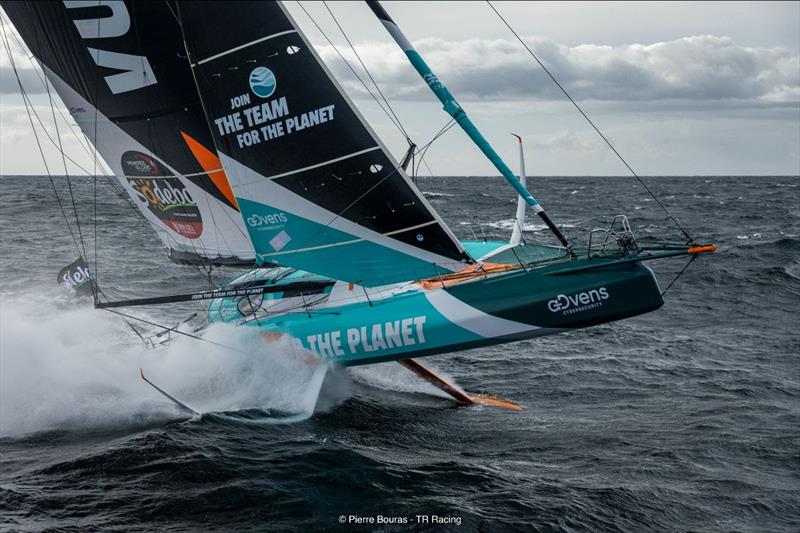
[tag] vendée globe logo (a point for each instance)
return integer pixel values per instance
(262, 82)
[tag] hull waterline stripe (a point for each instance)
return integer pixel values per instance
(344, 243)
(243, 46)
(297, 170)
(472, 319)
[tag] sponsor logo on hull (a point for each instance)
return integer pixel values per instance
(165, 197)
(366, 339)
(578, 302)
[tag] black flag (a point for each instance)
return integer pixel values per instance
(77, 276)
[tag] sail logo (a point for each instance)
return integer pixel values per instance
(262, 82)
(578, 302)
(257, 220)
(164, 196)
(134, 72)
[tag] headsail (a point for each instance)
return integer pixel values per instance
(317, 189)
(121, 70)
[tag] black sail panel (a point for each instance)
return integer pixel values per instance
(121, 69)
(317, 189)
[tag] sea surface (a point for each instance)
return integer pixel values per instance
(684, 419)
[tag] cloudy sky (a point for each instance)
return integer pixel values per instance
(679, 88)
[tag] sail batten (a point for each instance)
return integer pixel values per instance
(317, 189)
(242, 47)
(324, 163)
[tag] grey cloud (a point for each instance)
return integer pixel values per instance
(9, 85)
(28, 75)
(705, 68)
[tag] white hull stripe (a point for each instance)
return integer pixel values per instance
(242, 47)
(472, 319)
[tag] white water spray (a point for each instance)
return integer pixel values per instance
(67, 367)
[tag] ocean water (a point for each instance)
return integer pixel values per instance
(684, 419)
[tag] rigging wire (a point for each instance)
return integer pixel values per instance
(57, 144)
(80, 136)
(25, 100)
(424, 149)
(30, 109)
(176, 330)
(358, 56)
(591, 123)
(69, 187)
(83, 141)
(28, 104)
(94, 168)
(679, 274)
(353, 70)
(444, 129)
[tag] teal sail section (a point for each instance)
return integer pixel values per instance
(316, 188)
(335, 253)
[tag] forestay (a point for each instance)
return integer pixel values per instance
(317, 189)
(121, 70)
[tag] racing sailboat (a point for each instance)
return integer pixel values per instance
(355, 265)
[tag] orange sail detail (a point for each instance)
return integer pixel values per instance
(212, 166)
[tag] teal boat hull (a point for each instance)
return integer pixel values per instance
(350, 325)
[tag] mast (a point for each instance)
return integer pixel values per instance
(454, 109)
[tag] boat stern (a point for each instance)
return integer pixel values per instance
(573, 294)
(602, 295)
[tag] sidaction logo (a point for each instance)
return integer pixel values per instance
(267, 220)
(578, 302)
(165, 197)
(262, 82)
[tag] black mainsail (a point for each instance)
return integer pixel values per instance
(121, 70)
(316, 187)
